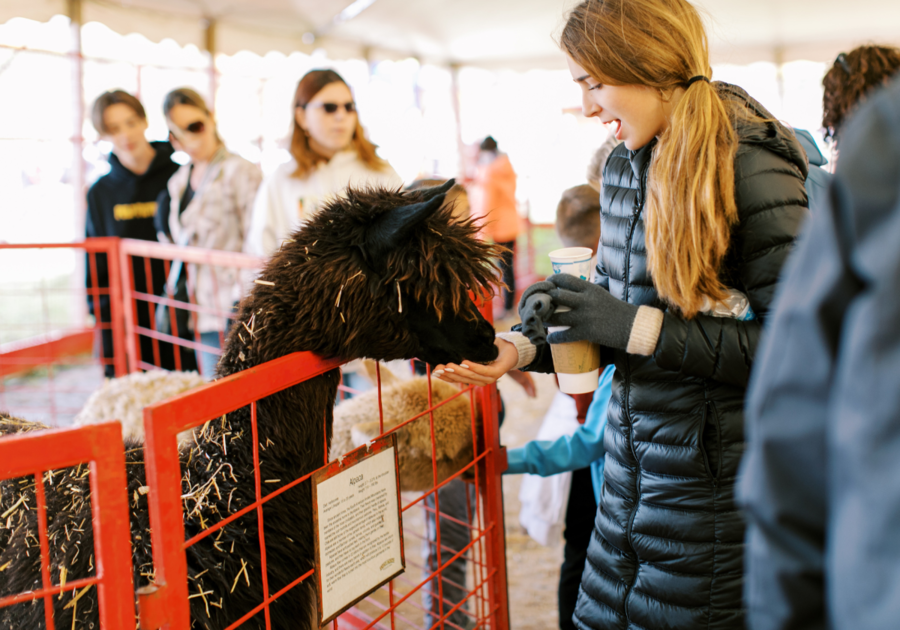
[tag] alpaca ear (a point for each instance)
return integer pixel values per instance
(394, 226)
(443, 189)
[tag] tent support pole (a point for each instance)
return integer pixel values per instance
(79, 167)
(778, 58)
(454, 96)
(79, 164)
(210, 38)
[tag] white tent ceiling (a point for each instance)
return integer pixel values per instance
(495, 33)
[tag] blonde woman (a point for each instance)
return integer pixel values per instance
(329, 153)
(700, 207)
(211, 198)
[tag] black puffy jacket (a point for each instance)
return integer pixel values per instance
(668, 541)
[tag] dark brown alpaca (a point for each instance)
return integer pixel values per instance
(378, 274)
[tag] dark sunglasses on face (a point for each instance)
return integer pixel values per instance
(194, 127)
(331, 108)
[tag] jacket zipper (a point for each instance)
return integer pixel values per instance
(637, 481)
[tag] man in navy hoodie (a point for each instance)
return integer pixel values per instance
(123, 203)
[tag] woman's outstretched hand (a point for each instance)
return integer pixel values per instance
(470, 373)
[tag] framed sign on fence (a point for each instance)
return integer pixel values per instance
(358, 528)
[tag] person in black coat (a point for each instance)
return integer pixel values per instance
(821, 480)
(700, 208)
(123, 203)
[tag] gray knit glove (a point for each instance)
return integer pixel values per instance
(535, 308)
(595, 315)
(544, 286)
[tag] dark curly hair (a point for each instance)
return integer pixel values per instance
(852, 76)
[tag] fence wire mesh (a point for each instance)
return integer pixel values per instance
(453, 528)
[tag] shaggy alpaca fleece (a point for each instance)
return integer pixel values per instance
(124, 399)
(356, 422)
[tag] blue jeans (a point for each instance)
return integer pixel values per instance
(208, 360)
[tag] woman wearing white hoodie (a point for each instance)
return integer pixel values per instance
(329, 154)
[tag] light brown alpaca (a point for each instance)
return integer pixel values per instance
(356, 422)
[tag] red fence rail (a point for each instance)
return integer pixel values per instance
(166, 604)
(46, 325)
(225, 271)
(101, 447)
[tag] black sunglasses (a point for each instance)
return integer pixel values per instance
(194, 127)
(331, 108)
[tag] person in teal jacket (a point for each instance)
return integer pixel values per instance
(583, 454)
(581, 449)
(818, 178)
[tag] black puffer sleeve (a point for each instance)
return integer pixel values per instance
(772, 206)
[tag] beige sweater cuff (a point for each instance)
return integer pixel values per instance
(645, 331)
(523, 345)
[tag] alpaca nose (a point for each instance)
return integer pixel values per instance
(485, 332)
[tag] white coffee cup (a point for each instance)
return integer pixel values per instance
(575, 261)
(577, 364)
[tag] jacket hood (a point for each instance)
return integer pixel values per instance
(762, 129)
(161, 160)
(813, 154)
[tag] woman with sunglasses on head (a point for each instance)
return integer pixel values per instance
(329, 152)
(700, 207)
(211, 199)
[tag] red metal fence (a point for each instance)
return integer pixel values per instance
(100, 446)
(167, 602)
(226, 275)
(50, 345)
(399, 604)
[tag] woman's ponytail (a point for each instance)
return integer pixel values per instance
(690, 207)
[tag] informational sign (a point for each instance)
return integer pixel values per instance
(359, 532)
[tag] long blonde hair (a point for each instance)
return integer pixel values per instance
(690, 207)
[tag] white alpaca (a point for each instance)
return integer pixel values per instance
(124, 398)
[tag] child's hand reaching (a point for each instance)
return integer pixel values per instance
(525, 380)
